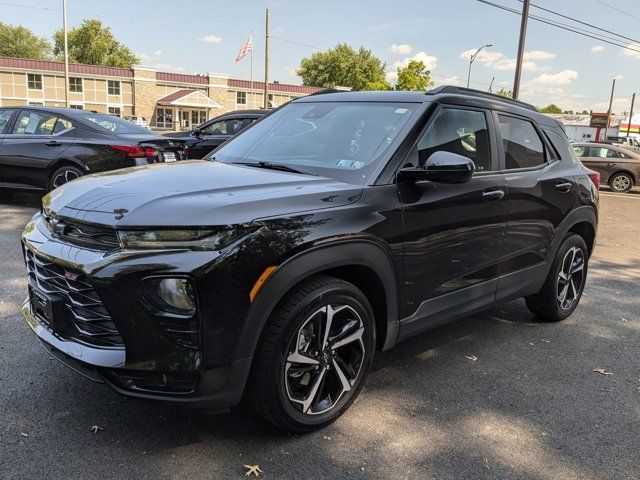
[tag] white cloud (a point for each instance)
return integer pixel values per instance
(597, 48)
(499, 61)
(401, 49)
(165, 66)
(446, 80)
(561, 78)
(619, 77)
(291, 71)
(634, 53)
(211, 39)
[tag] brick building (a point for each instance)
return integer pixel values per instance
(172, 101)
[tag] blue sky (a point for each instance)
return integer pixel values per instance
(198, 37)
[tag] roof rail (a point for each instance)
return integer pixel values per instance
(478, 93)
(327, 90)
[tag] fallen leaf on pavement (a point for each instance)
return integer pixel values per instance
(545, 341)
(253, 469)
(473, 358)
(602, 371)
(23, 434)
(96, 428)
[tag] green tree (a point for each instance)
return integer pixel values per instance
(551, 108)
(22, 43)
(343, 66)
(414, 77)
(94, 44)
(584, 112)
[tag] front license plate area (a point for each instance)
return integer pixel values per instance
(169, 157)
(49, 309)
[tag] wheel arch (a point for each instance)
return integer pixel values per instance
(627, 172)
(583, 221)
(65, 162)
(364, 263)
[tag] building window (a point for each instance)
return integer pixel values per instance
(117, 111)
(241, 98)
(203, 116)
(164, 117)
(75, 84)
(77, 106)
(36, 104)
(34, 81)
(113, 87)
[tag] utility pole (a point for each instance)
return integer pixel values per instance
(521, 42)
(472, 58)
(613, 88)
(266, 62)
(66, 54)
(633, 100)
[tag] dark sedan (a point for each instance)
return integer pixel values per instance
(42, 148)
(210, 135)
(618, 167)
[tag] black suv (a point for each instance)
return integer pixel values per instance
(338, 225)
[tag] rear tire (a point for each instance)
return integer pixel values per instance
(304, 375)
(562, 290)
(621, 182)
(63, 175)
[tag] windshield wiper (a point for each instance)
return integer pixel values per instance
(273, 166)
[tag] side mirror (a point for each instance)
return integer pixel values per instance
(441, 167)
(197, 132)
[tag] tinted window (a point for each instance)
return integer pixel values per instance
(463, 132)
(225, 127)
(603, 152)
(581, 150)
(113, 123)
(5, 116)
(343, 140)
(39, 123)
(523, 147)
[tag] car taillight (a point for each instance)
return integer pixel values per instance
(136, 151)
(185, 152)
(594, 176)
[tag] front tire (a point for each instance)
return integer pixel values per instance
(313, 356)
(563, 287)
(63, 175)
(621, 182)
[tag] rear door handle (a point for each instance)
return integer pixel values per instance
(611, 164)
(493, 195)
(564, 186)
(53, 143)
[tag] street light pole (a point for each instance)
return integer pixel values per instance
(66, 53)
(523, 34)
(266, 62)
(472, 58)
(633, 101)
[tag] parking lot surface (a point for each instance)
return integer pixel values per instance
(495, 395)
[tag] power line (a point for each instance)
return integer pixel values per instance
(562, 26)
(625, 13)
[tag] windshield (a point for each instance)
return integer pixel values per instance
(113, 124)
(343, 140)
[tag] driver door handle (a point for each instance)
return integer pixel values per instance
(493, 195)
(53, 143)
(564, 186)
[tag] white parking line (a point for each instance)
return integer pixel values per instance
(621, 195)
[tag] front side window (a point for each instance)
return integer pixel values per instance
(225, 127)
(241, 98)
(343, 140)
(523, 147)
(39, 123)
(75, 84)
(5, 116)
(34, 81)
(463, 132)
(113, 87)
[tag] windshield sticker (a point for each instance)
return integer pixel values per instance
(402, 110)
(350, 164)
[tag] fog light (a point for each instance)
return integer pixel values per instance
(173, 295)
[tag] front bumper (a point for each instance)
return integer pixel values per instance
(149, 364)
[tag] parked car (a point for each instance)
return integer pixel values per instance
(137, 120)
(339, 225)
(630, 143)
(210, 135)
(44, 147)
(618, 167)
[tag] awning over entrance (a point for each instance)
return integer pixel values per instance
(189, 98)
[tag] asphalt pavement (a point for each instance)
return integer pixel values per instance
(495, 395)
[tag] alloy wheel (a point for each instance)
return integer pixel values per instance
(621, 183)
(570, 278)
(324, 359)
(64, 176)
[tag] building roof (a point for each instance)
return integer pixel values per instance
(47, 65)
(188, 98)
(274, 87)
(582, 120)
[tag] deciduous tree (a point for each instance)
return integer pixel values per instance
(414, 77)
(22, 43)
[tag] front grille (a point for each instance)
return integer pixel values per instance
(82, 234)
(86, 318)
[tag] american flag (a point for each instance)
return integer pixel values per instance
(246, 48)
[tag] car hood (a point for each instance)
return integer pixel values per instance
(194, 193)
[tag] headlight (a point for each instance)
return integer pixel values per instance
(184, 239)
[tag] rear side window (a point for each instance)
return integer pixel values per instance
(580, 151)
(463, 132)
(39, 123)
(5, 116)
(523, 147)
(561, 144)
(603, 152)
